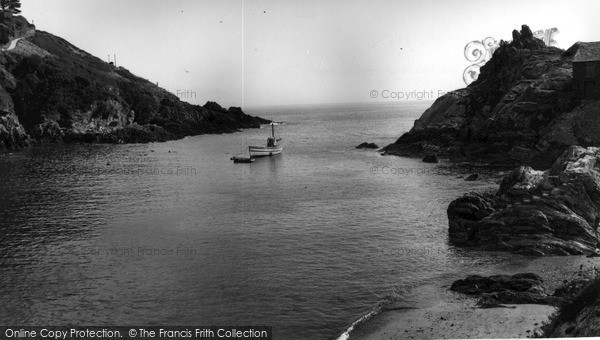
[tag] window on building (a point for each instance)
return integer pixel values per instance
(591, 70)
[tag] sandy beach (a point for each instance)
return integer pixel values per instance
(456, 316)
(456, 320)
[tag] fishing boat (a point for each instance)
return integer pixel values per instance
(272, 148)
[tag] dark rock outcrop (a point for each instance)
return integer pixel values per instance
(366, 145)
(48, 131)
(430, 159)
(525, 39)
(12, 133)
(54, 91)
(553, 212)
(571, 289)
(501, 289)
(579, 316)
(521, 110)
(476, 284)
(472, 177)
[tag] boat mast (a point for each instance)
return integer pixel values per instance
(272, 130)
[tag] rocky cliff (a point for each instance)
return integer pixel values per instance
(552, 212)
(51, 90)
(580, 317)
(521, 110)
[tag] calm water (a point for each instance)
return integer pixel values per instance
(175, 234)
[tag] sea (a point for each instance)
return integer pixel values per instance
(310, 242)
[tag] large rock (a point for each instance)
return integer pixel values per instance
(48, 131)
(12, 133)
(500, 289)
(366, 145)
(519, 111)
(552, 212)
(465, 213)
(525, 39)
(476, 284)
(430, 159)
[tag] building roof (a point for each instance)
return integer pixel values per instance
(588, 51)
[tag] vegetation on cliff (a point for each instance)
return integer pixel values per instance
(51, 90)
(10, 6)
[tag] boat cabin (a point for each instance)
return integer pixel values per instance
(586, 70)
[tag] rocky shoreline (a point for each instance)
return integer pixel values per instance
(549, 219)
(52, 91)
(456, 315)
(538, 213)
(552, 212)
(522, 112)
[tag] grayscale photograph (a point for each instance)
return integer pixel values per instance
(299, 170)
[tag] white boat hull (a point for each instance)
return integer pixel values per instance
(261, 151)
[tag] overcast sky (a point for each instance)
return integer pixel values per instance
(265, 52)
